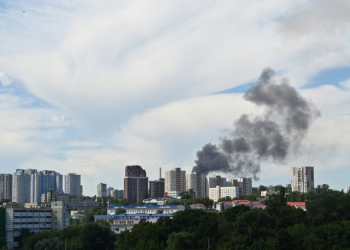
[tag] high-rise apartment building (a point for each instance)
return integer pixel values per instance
(5, 186)
(157, 187)
(117, 193)
(302, 179)
(101, 190)
(42, 182)
(73, 184)
(110, 191)
(21, 185)
(135, 184)
(175, 181)
(196, 181)
(245, 186)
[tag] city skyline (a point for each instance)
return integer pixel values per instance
(90, 88)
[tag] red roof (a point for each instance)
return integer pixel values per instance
(241, 201)
(296, 203)
(226, 202)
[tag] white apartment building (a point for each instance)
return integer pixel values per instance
(174, 194)
(110, 191)
(175, 180)
(101, 190)
(217, 180)
(21, 185)
(73, 184)
(302, 179)
(196, 182)
(245, 185)
(221, 192)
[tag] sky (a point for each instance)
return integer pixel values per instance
(92, 86)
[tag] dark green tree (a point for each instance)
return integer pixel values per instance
(97, 236)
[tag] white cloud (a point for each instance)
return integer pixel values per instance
(130, 82)
(4, 79)
(345, 84)
(91, 144)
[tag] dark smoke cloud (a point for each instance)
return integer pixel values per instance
(270, 136)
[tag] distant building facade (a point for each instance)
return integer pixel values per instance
(175, 181)
(5, 186)
(41, 182)
(110, 191)
(302, 179)
(21, 185)
(54, 217)
(245, 185)
(118, 193)
(73, 184)
(221, 192)
(101, 190)
(196, 182)
(217, 180)
(157, 188)
(135, 184)
(147, 209)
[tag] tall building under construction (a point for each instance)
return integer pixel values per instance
(135, 184)
(303, 179)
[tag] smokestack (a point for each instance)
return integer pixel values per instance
(160, 173)
(271, 136)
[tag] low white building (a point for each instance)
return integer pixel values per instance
(267, 192)
(158, 201)
(122, 222)
(147, 209)
(221, 192)
(174, 194)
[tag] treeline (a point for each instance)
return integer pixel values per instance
(325, 225)
(80, 235)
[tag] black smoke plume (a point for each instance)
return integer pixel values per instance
(271, 136)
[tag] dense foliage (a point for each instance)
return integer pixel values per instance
(81, 235)
(188, 201)
(325, 225)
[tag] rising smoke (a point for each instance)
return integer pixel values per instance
(271, 136)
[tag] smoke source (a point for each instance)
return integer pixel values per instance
(271, 136)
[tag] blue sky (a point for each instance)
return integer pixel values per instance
(91, 87)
